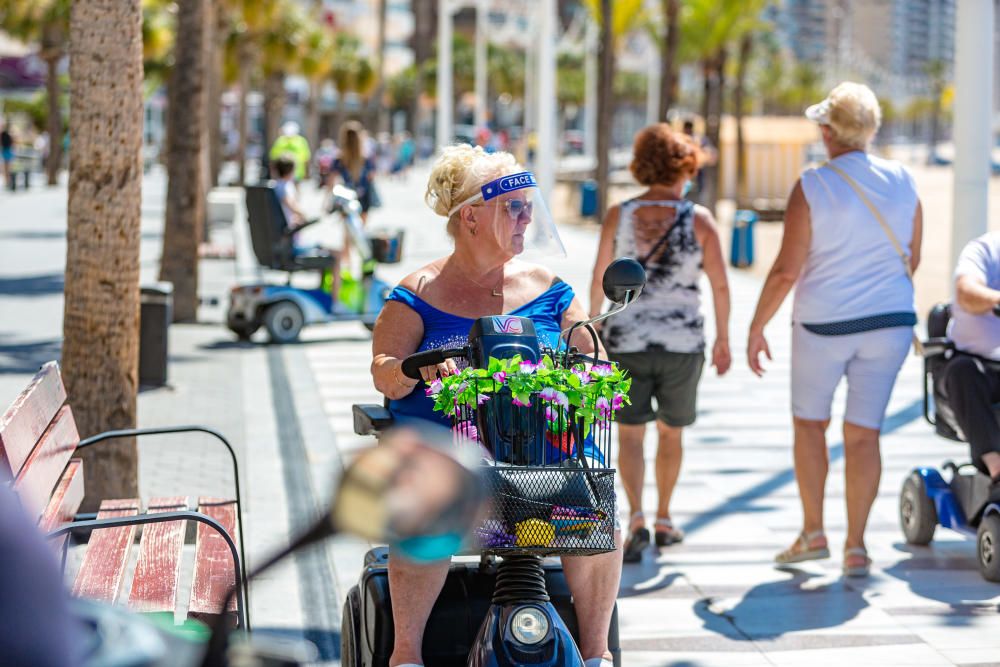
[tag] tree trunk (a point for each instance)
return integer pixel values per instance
(935, 124)
(274, 107)
(668, 92)
(241, 153)
(101, 307)
(312, 133)
(746, 50)
(55, 126)
(605, 102)
(185, 211)
(217, 46)
(712, 108)
(423, 41)
(379, 112)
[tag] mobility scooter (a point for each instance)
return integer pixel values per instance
(549, 497)
(959, 498)
(284, 309)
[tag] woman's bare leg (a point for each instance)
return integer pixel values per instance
(811, 467)
(415, 589)
(863, 470)
(593, 581)
(668, 466)
(632, 467)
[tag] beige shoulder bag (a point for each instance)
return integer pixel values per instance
(918, 347)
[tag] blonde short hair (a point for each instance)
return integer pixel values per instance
(852, 112)
(458, 174)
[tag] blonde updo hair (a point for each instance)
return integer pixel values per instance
(852, 112)
(459, 173)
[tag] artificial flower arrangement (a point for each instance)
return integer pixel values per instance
(595, 393)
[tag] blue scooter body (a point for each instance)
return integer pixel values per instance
(496, 646)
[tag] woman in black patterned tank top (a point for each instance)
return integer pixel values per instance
(661, 340)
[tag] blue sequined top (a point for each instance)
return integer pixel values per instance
(443, 329)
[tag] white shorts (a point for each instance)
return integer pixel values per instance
(870, 360)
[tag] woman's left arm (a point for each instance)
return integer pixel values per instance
(918, 237)
(707, 234)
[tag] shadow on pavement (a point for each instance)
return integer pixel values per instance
(645, 578)
(50, 283)
(772, 609)
(27, 358)
(243, 344)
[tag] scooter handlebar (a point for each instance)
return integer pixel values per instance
(996, 310)
(413, 363)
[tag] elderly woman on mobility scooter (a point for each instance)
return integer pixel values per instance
(434, 307)
(972, 376)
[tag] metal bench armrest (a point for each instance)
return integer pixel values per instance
(164, 430)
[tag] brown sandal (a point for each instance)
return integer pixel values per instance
(800, 550)
(860, 554)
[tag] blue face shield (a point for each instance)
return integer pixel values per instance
(686, 189)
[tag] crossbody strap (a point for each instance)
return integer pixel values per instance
(918, 347)
(878, 216)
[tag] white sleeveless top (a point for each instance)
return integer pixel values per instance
(853, 270)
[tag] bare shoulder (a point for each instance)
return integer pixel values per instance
(420, 278)
(704, 221)
(537, 276)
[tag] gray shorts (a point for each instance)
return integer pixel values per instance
(671, 377)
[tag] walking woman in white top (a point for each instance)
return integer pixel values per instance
(851, 242)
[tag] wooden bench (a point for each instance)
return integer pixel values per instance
(38, 440)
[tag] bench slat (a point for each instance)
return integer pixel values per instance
(43, 469)
(103, 567)
(65, 501)
(157, 572)
(213, 563)
(28, 416)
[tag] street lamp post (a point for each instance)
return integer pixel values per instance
(481, 44)
(971, 128)
(590, 90)
(445, 130)
(545, 158)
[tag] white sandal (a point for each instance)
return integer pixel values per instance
(800, 551)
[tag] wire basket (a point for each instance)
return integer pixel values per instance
(549, 495)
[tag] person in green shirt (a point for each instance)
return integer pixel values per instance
(292, 143)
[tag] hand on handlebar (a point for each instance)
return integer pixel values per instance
(431, 373)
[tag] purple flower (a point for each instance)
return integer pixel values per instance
(481, 398)
(528, 367)
(500, 377)
(583, 375)
(554, 396)
(435, 388)
(521, 403)
(603, 406)
(618, 401)
(603, 370)
(553, 415)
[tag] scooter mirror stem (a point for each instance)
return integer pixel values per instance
(626, 302)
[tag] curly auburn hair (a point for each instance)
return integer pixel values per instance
(661, 156)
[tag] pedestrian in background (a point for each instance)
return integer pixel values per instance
(851, 243)
(6, 150)
(294, 144)
(661, 341)
(354, 168)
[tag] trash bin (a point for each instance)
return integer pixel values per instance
(156, 305)
(588, 198)
(741, 252)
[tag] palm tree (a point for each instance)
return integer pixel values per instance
(101, 308)
(186, 162)
(671, 40)
(745, 51)
(315, 64)
(47, 23)
(423, 41)
(351, 73)
(282, 44)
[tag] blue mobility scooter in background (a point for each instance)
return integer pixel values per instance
(284, 309)
(549, 497)
(960, 497)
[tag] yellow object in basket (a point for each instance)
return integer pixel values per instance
(535, 533)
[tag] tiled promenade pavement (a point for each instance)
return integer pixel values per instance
(717, 600)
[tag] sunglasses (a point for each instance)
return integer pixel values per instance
(515, 208)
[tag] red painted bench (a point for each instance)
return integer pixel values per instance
(38, 438)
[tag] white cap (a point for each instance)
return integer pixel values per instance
(290, 129)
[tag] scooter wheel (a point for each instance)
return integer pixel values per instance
(283, 321)
(917, 515)
(988, 546)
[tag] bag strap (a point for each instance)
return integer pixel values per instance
(918, 347)
(878, 216)
(663, 239)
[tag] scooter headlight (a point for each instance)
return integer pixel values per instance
(529, 625)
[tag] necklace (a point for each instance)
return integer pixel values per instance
(495, 291)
